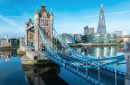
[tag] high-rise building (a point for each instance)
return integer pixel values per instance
(88, 30)
(85, 30)
(101, 22)
(120, 33)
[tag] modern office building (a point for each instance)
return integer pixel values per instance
(102, 38)
(78, 37)
(68, 38)
(101, 22)
(120, 33)
(88, 30)
(85, 30)
(85, 38)
(126, 38)
(72, 35)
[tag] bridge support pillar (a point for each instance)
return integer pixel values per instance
(127, 76)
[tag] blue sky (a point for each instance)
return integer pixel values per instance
(70, 16)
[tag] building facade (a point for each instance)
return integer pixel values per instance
(101, 22)
(88, 30)
(78, 37)
(68, 38)
(102, 38)
(4, 43)
(126, 38)
(119, 39)
(85, 38)
(120, 33)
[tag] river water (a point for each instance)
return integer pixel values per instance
(12, 72)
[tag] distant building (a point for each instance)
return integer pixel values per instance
(101, 22)
(78, 37)
(4, 43)
(85, 30)
(126, 38)
(120, 33)
(7, 37)
(119, 39)
(84, 37)
(72, 35)
(88, 30)
(7, 42)
(102, 38)
(14, 41)
(68, 38)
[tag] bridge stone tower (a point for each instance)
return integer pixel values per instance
(45, 21)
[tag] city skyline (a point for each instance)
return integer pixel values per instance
(67, 15)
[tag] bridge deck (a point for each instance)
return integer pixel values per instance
(106, 76)
(91, 74)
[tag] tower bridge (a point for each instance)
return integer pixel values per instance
(45, 21)
(43, 42)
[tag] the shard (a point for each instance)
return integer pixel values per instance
(101, 22)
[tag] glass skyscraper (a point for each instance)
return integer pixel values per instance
(101, 23)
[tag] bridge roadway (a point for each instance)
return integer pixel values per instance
(106, 76)
(92, 75)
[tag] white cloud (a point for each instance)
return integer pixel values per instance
(118, 12)
(90, 16)
(11, 22)
(107, 14)
(17, 17)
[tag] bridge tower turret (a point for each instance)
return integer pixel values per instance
(26, 35)
(51, 18)
(36, 34)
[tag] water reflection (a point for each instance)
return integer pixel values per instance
(99, 52)
(6, 54)
(33, 73)
(102, 52)
(50, 74)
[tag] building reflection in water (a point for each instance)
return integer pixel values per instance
(99, 52)
(7, 54)
(46, 74)
(102, 52)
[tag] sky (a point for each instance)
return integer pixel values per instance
(70, 16)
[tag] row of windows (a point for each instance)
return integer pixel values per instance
(44, 17)
(44, 21)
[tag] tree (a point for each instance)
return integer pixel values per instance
(56, 41)
(16, 42)
(121, 41)
(110, 41)
(78, 41)
(83, 41)
(102, 41)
